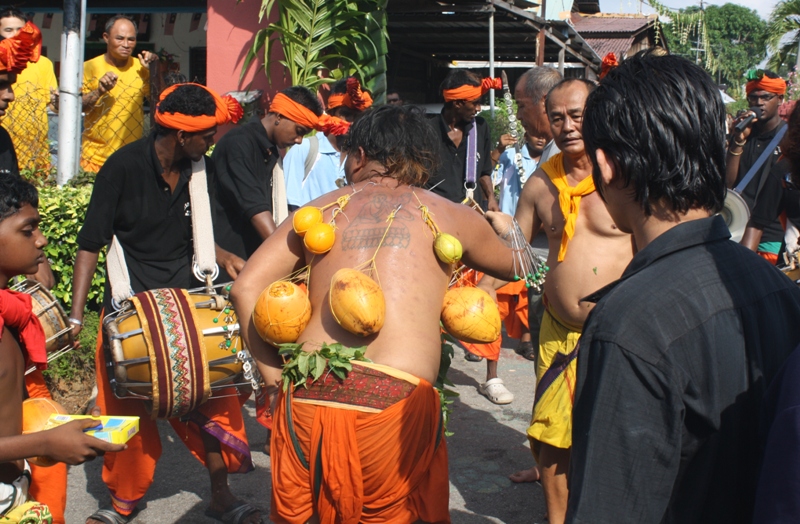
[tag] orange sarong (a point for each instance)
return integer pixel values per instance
(128, 474)
(48, 485)
(368, 450)
(512, 301)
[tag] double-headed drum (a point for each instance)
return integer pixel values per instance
(55, 322)
(174, 348)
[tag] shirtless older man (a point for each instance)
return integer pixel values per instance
(370, 449)
(586, 252)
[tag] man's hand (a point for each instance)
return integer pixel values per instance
(505, 141)
(487, 284)
(493, 205)
(741, 136)
(229, 262)
(501, 222)
(69, 443)
(106, 83)
(145, 57)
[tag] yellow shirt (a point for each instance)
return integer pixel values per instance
(118, 117)
(26, 117)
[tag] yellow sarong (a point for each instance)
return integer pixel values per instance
(551, 421)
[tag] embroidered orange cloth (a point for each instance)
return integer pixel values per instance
(228, 110)
(354, 98)
(24, 47)
(472, 92)
(352, 466)
(300, 114)
(16, 312)
(569, 198)
(770, 85)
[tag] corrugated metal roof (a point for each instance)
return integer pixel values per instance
(587, 25)
(603, 46)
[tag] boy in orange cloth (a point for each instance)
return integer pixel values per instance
(369, 447)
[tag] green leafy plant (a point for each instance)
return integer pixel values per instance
(63, 210)
(784, 19)
(446, 396)
(80, 360)
(320, 35)
(301, 364)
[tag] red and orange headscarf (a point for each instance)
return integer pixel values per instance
(300, 114)
(24, 47)
(228, 110)
(765, 83)
(354, 98)
(467, 92)
(609, 63)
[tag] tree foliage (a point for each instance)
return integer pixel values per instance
(783, 34)
(342, 38)
(735, 36)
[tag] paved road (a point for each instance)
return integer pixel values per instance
(488, 444)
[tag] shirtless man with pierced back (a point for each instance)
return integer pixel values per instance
(594, 256)
(386, 461)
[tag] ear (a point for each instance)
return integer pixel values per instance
(180, 135)
(361, 158)
(105, 37)
(608, 169)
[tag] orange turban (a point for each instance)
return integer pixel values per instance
(609, 63)
(354, 98)
(467, 92)
(300, 114)
(228, 110)
(17, 51)
(770, 85)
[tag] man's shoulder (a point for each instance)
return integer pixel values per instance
(235, 137)
(128, 158)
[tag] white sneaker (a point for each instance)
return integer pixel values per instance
(496, 391)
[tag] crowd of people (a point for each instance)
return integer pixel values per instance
(665, 371)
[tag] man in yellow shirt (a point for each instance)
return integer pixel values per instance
(26, 117)
(114, 89)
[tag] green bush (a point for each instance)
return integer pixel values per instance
(62, 210)
(80, 360)
(499, 125)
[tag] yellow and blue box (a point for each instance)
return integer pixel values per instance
(116, 430)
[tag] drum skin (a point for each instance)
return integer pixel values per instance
(135, 347)
(51, 315)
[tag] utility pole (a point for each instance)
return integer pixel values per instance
(69, 114)
(699, 42)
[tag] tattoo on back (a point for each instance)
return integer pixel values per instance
(366, 231)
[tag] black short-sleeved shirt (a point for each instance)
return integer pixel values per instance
(452, 171)
(673, 364)
(773, 232)
(153, 225)
(244, 159)
(8, 157)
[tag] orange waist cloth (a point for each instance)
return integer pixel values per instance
(512, 301)
(357, 463)
(128, 474)
(48, 485)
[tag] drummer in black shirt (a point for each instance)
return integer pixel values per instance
(141, 196)
(462, 91)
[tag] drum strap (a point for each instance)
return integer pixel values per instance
(280, 206)
(760, 162)
(205, 261)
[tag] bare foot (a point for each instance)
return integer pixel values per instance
(526, 475)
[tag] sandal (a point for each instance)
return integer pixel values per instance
(471, 357)
(526, 350)
(110, 516)
(496, 391)
(236, 513)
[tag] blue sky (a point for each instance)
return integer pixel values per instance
(632, 6)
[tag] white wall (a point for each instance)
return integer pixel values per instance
(178, 43)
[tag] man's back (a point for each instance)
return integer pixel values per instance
(683, 388)
(412, 279)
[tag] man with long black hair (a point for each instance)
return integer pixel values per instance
(676, 355)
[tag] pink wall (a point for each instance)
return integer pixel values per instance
(231, 26)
